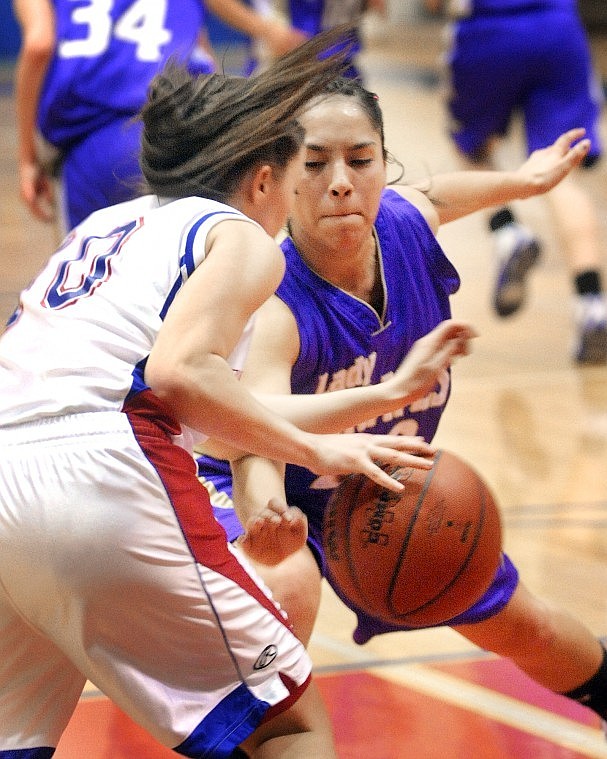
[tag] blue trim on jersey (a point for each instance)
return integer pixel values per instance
(187, 264)
(28, 753)
(187, 261)
(202, 742)
(138, 384)
(188, 257)
(171, 297)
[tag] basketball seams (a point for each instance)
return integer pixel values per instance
(463, 567)
(362, 483)
(440, 537)
(411, 526)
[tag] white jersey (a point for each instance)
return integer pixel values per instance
(132, 583)
(80, 337)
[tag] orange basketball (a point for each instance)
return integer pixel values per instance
(420, 557)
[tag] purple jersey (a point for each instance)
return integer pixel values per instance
(345, 343)
(106, 55)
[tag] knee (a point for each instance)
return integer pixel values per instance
(296, 587)
(523, 631)
(524, 628)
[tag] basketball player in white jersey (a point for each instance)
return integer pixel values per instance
(121, 353)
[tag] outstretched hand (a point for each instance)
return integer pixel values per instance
(370, 455)
(428, 357)
(546, 167)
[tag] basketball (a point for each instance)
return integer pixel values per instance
(416, 558)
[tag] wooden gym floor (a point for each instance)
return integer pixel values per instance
(533, 423)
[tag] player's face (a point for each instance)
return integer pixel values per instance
(344, 173)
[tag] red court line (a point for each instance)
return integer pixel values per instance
(382, 719)
(502, 676)
(372, 717)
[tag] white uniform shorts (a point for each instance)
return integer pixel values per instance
(113, 568)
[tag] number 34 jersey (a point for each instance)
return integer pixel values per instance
(84, 328)
(107, 53)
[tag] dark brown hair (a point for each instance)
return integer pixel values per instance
(203, 134)
(369, 102)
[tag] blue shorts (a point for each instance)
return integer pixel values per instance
(493, 601)
(537, 63)
(102, 169)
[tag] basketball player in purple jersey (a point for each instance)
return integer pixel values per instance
(531, 58)
(82, 77)
(365, 278)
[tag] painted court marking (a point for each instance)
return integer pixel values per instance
(582, 739)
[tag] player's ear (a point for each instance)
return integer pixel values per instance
(262, 179)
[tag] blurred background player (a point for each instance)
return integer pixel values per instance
(310, 17)
(520, 56)
(81, 78)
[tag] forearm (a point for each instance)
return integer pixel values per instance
(37, 47)
(239, 16)
(211, 400)
(458, 194)
(335, 411)
(424, 369)
(320, 414)
(28, 82)
(255, 481)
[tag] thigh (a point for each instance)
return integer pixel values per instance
(39, 686)
(134, 580)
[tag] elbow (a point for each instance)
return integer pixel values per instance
(38, 44)
(169, 386)
(38, 53)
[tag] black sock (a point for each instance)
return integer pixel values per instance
(501, 218)
(238, 753)
(593, 693)
(588, 283)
